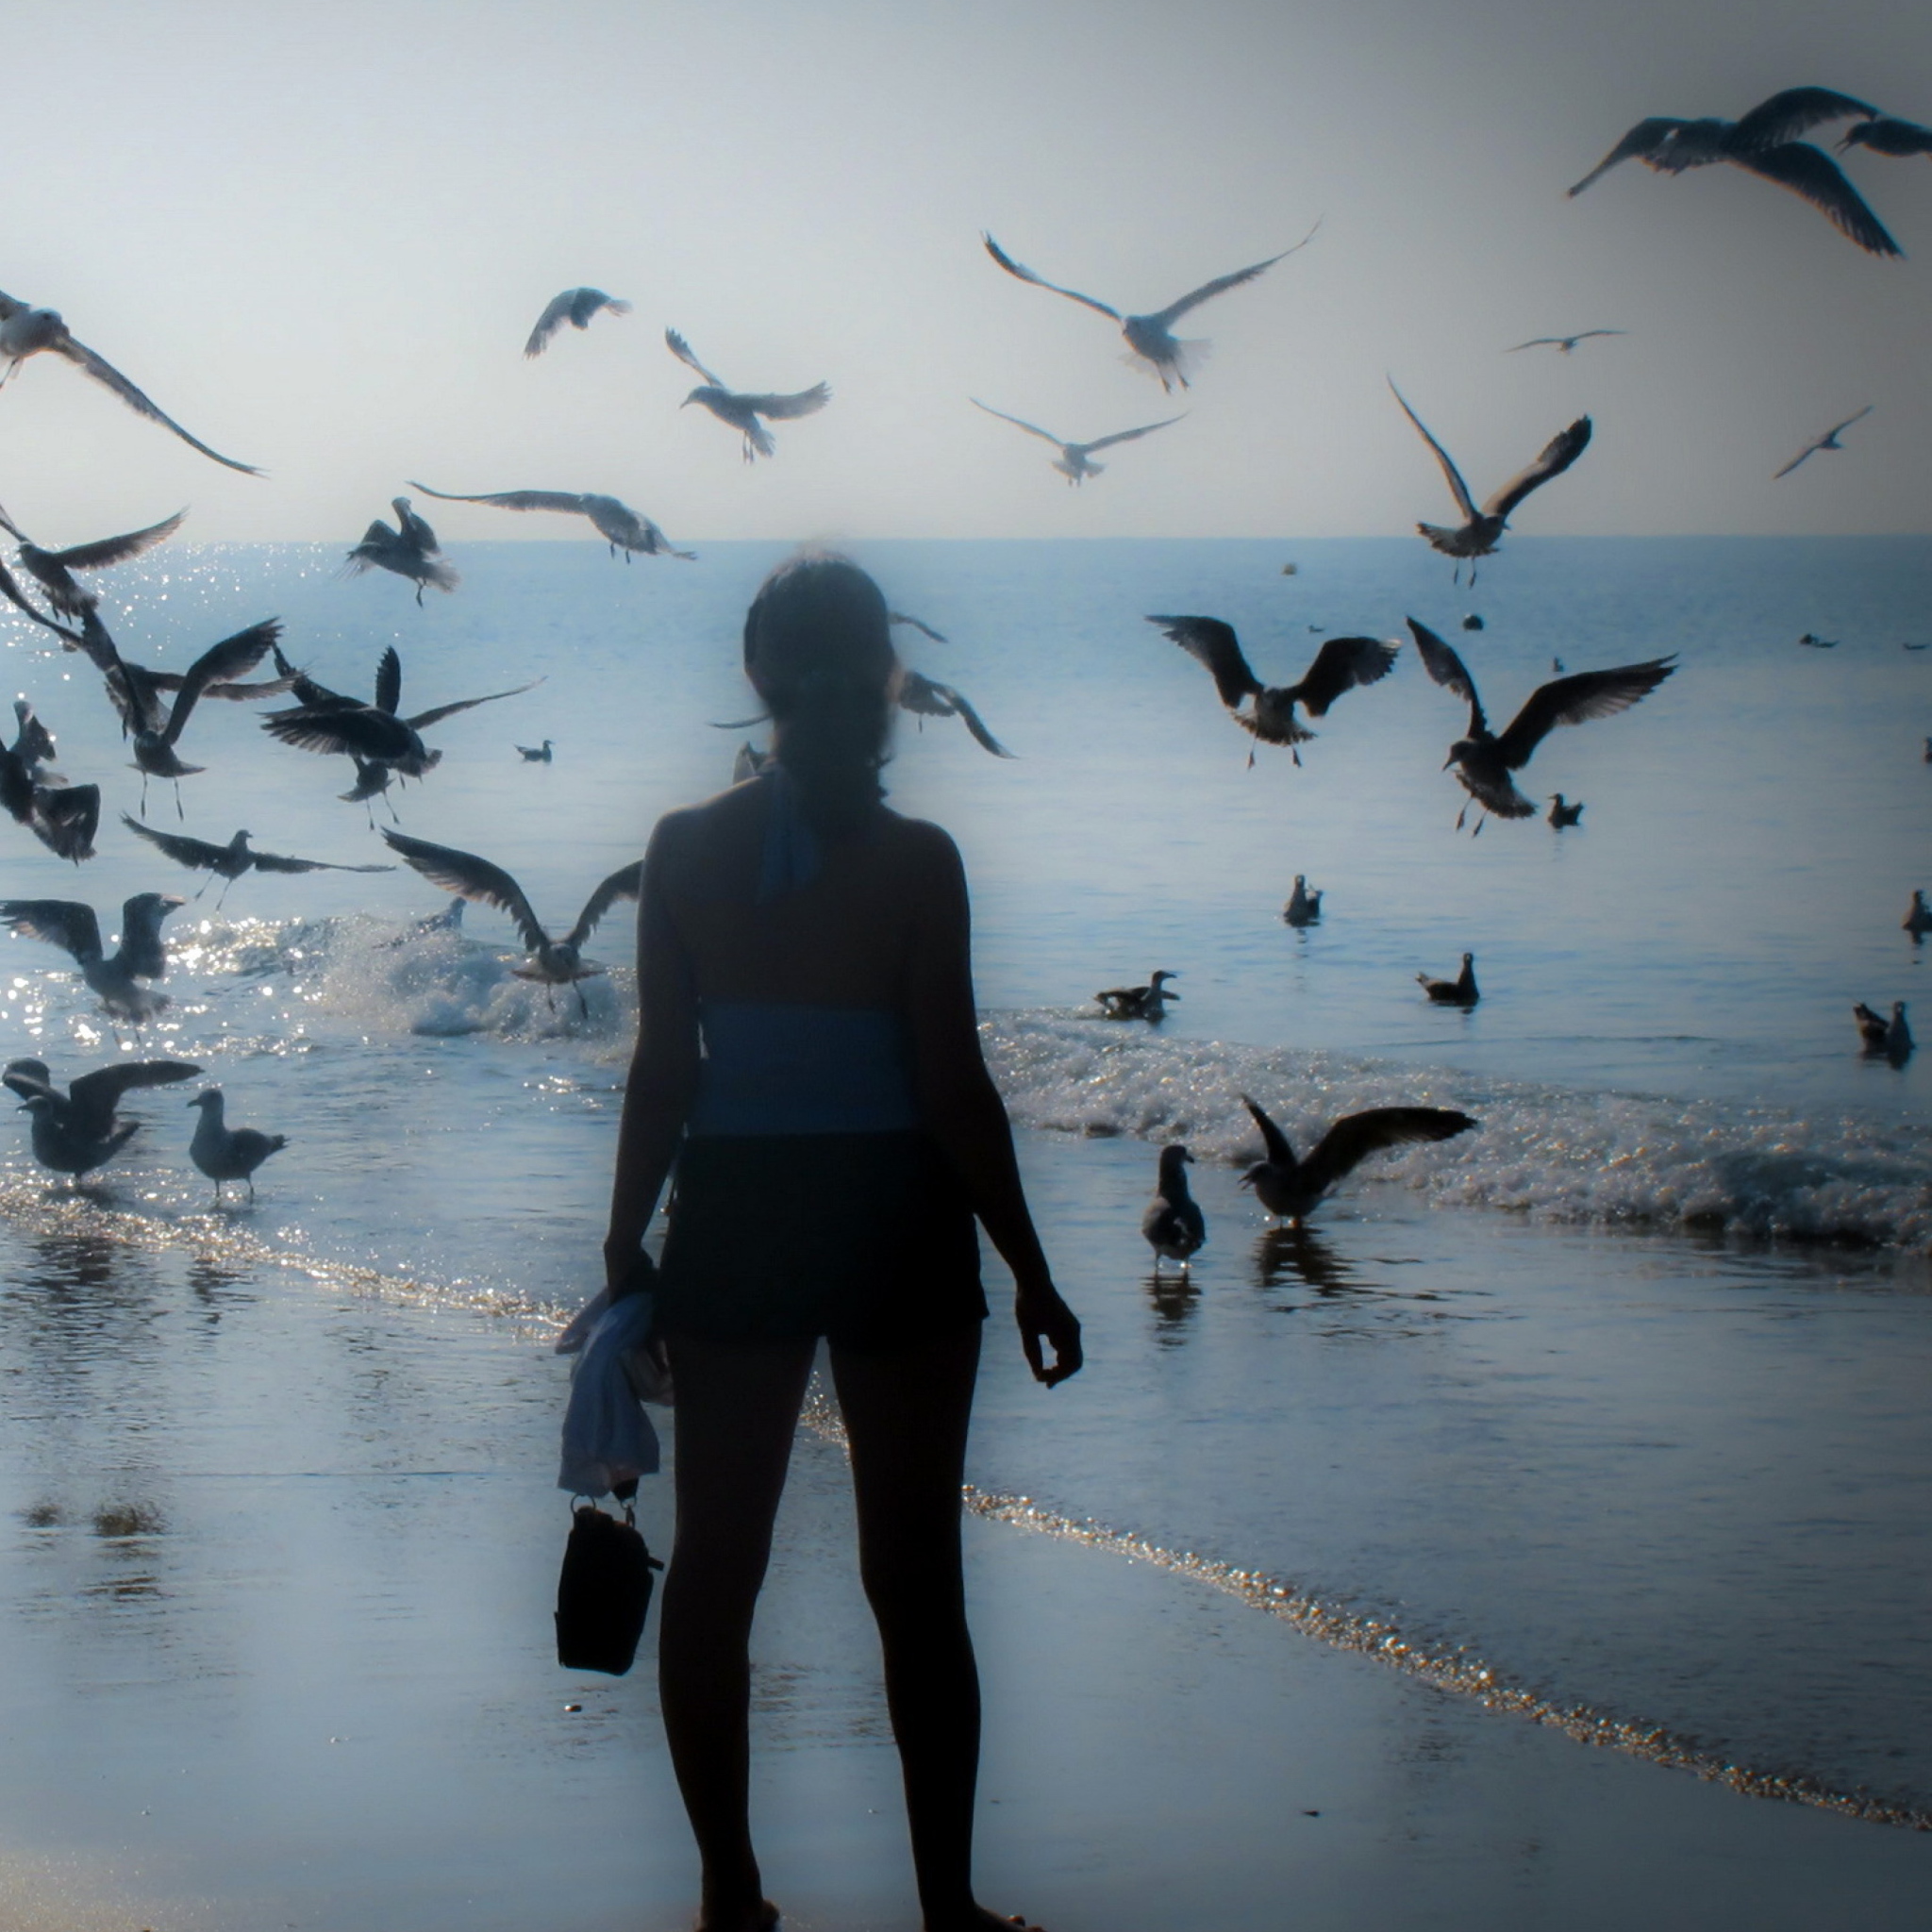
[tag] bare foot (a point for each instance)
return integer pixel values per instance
(757, 1918)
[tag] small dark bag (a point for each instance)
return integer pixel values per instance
(604, 1592)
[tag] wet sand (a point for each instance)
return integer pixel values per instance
(277, 1653)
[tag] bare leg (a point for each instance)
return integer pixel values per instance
(736, 1410)
(905, 1412)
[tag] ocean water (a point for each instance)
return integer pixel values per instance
(1620, 1394)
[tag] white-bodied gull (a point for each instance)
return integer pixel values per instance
(71, 926)
(621, 526)
(576, 306)
(1071, 461)
(1173, 1225)
(1829, 440)
(224, 1152)
(410, 550)
(740, 409)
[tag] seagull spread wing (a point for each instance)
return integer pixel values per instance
(1211, 642)
(926, 697)
(807, 402)
(1032, 428)
(1273, 1138)
(924, 629)
(1557, 455)
(589, 300)
(1026, 275)
(141, 933)
(1576, 701)
(225, 660)
(1220, 284)
(1351, 1141)
(1339, 665)
(1786, 115)
(422, 719)
(65, 819)
(105, 373)
(93, 1097)
(63, 923)
(388, 681)
(681, 349)
(109, 550)
(624, 883)
(469, 878)
(11, 590)
(1811, 172)
(1129, 435)
(1458, 488)
(1823, 441)
(359, 730)
(1536, 343)
(30, 1080)
(513, 499)
(1645, 138)
(276, 862)
(549, 323)
(197, 853)
(1448, 670)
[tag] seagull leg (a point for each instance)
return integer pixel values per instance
(419, 593)
(179, 812)
(1479, 825)
(1460, 816)
(583, 1005)
(144, 794)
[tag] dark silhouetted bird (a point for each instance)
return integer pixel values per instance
(576, 306)
(1147, 1002)
(1292, 1188)
(1829, 440)
(1174, 1224)
(79, 1130)
(410, 550)
(1459, 991)
(622, 527)
(1564, 344)
(53, 570)
(224, 1152)
(231, 860)
(71, 926)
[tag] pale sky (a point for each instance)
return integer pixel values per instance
(318, 234)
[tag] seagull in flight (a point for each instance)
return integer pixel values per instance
(64, 818)
(1483, 531)
(26, 331)
(1885, 136)
(73, 927)
(1485, 759)
(741, 410)
(1150, 339)
(576, 306)
(1340, 665)
(410, 550)
(1292, 1188)
(620, 525)
(1765, 143)
(231, 860)
(53, 570)
(1829, 440)
(1565, 345)
(1072, 462)
(554, 962)
(79, 1130)
(926, 697)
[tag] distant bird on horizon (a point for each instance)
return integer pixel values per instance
(1147, 1002)
(1564, 344)
(1885, 136)
(1483, 759)
(410, 550)
(1071, 461)
(1764, 143)
(742, 410)
(1173, 1225)
(26, 331)
(1893, 1038)
(1482, 529)
(1918, 919)
(535, 754)
(1460, 992)
(71, 926)
(1150, 339)
(1339, 665)
(1829, 440)
(231, 860)
(918, 624)
(1812, 642)
(1292, 1189)
(1303, 908)
(1562, 816)
(576, 306)
(621, 526)
(53, 570)
(79, 1130)
(554, 962)
(224, 1152)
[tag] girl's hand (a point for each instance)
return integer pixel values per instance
(1043, 1316)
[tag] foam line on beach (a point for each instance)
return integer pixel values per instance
(1458, 1672)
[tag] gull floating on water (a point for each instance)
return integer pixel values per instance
(53, 570)
(71, 926)
(231, 860)
(1147, 1002)
(1303, 908)
(79, 1130)
(1483, 528)
(1764, 143)
(1340, 665)
(224, 1152)
(26, 331)
(554, 962)
(1829, 440)
(1485, 759)
(1812, 642)
(1893, 1038)
(1071, 461)
(1472, 621)
(1564, 344)
(1918, 919)
(576, 306)
(1562, 816)
(621, 526)
(1292, 1188)
(1460, 992)
(1150, 339)
(410, 550)
(1174, 1224)
(535, 754)
(1884, 134)
(742, 410)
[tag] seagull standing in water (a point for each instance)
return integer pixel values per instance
(1173, 1226)
(1564, 344)
(1303, 908)
(535, 754)
(53, 570)
(1562, 816)
(78, 1131)
(71, 926)
(576, 306)
(1290, 1189)
(741, 410)
(1340, 665)
(231, 860)
(1829, 440)
(1483, 528)
(1893, 1038)
(410, 550)
(1150, 339)
(224, 1152)
(1485, 759)
(620, 526)
(1072, 462)
(1763, 142)
(26, 331)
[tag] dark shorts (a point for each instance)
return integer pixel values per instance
(865, 1238)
